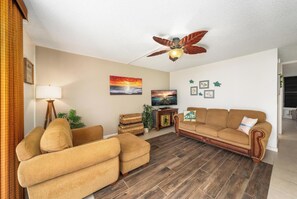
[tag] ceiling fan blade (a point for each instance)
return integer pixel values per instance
(158, 53)
(164, 42)
(193, 49)
(192, 38)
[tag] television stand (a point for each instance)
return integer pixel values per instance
(164, 117)
(163, 108)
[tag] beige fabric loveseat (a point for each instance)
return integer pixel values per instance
(60, 163)
(219, 127)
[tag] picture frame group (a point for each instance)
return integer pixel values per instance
(208, 94)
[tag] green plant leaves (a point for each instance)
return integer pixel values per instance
(73, 119)
(147, 116)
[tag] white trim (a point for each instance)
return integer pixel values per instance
(289, 62)
(272, 148)
(109, 135)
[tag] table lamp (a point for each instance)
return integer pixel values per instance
(50, 93)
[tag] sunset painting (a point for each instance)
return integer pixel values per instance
(125, 85)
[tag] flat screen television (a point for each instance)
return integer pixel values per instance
(164, 97)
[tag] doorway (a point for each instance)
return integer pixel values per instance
(287, 95)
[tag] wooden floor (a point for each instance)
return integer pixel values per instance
(184, 168)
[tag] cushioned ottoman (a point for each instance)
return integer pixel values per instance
(135, 152)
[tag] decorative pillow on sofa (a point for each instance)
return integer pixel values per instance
(190, 116)
(246, 124)
(56, 137)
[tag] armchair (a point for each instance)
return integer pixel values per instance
(74, 172)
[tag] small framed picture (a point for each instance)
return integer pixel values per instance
(28, 72)
(204, 84)
(165, 120)
(209, 94)
(194, 90)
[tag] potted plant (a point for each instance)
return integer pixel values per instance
(73, 119)
(147, 117)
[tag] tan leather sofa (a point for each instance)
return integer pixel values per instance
(219, 127)
(60, 163)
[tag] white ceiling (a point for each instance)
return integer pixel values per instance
(122, 31)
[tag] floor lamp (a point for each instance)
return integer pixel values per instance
(50, 93)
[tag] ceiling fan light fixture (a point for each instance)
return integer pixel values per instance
(176, 53)
(177, 47)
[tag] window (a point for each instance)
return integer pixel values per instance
(291, 92)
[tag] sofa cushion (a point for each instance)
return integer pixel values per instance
(30, 145)
(132, 147)
(234, 136)
(57, 136)
(191, 126)
(190, 116)
(206, 129)
(217, 117)
(200, 113)
(246, 124)
(235, 117)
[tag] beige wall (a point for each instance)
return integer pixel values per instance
(85, 87)
(29, 90)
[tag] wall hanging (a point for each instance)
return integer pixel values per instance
(194, 90)
(28, 72)
(204, 84)
(217, 84)
(209, 94)
(125, 85)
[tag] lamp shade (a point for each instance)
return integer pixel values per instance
(176, 53)
(48, 92)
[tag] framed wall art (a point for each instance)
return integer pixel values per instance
(194, 90)
(204, 84)
(165, 120)
(28, 72)
(125, 85)
(209, 94)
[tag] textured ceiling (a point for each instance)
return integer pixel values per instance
(122, 31)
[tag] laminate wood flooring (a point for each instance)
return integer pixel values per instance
(181, 167)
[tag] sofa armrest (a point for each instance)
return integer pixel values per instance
(180, 117)
(259, 137)
(177, 119)
(51, 165)
(87, 134)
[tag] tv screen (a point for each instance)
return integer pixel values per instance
(164, 97)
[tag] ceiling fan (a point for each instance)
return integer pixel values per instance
(179, 46)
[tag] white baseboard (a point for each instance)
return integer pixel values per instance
(272, 149)
(109, 135)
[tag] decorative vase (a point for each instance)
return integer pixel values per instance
(146, 130)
